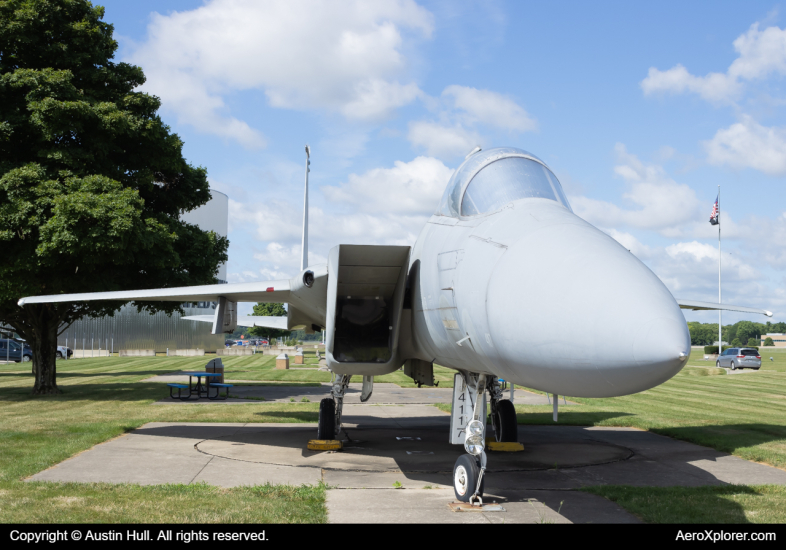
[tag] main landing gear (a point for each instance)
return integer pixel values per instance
(469, 470)
(330, 409)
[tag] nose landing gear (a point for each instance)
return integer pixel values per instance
(469, 470)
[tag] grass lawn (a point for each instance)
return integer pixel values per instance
(103, 398)
(726, 504)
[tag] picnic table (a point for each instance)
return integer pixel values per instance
(201, 390)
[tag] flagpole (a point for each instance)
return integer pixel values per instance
(720, 313)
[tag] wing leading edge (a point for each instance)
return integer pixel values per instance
(267, 291)
(695, 305)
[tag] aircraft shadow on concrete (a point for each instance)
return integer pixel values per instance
(566, 457)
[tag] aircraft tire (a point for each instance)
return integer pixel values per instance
(465, 477)
(326, 428)
(507, 425)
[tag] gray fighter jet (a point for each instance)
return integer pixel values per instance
(505, 284)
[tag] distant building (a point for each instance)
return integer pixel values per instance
(777, 338)
(129, 329)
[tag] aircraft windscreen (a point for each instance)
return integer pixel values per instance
(507, 180)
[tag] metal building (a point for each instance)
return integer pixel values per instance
(129, 329)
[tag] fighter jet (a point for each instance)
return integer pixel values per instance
(505, 285)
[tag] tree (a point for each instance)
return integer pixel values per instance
(92, 182)
(269, 310)
(753, 342)
(768, 341)
(736, 343)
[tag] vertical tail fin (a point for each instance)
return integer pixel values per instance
(304, 242)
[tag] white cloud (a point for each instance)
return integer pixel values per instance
(374, 99)
(412, 188)
(463, 111)
(273, 220)
(715, 87)
(748, 144)
(313, 54)
(491, 108)
(442, 141)
(662, 204)
(761, 54)
(386, 205)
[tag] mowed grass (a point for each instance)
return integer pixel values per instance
(104, 398)
(723, 504)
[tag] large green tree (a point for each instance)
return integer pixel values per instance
(92, 182)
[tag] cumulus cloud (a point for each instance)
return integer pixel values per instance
(660, 203)
(463, 110)
(442, 140)
(487, 107)
(345, 57)
(715, 87)
(386, 205)
(412, 188)
(761, 53)
(748, 144)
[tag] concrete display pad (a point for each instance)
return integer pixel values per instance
(400, 450)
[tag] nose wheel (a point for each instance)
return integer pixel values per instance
(466, 475)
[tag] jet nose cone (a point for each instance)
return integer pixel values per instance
(573, 312)
(661, 342)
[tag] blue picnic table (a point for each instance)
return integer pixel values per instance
(201, 388)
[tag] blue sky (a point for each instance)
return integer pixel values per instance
(641, 109)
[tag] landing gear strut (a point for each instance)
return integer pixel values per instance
(469, 469)
(468, 472)
(330, 409)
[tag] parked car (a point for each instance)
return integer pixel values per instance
(739, 358)
(63, 351)
(15, 351)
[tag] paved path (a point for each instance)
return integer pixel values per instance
(384, 452)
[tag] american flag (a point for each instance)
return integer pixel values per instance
(715, 213)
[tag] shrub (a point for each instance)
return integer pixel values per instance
(768, 341)
(710, 350)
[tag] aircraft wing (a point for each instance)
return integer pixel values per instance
(266, 291)
(696, 305)
(248, 321)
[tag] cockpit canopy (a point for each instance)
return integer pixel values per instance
(488, 180)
